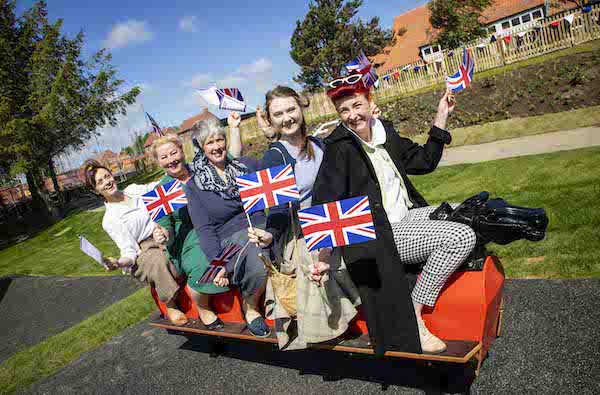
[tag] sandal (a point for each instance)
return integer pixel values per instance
(258, 327)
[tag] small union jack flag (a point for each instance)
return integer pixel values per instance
(233, 92)
(268, 188)
(221, 261)
(363, 66)
(155, 128)
(464, 77)
(164, 199)
(338, 223)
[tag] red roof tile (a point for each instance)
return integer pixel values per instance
(500, 9)
(150, 140)
(188, 123)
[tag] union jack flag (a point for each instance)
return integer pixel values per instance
(155, 128)
(464, 77)
(363, 66)
(221, 261)
(233, 92)
(338, 223)
(225, 99)
(268, 188)
(164, 199)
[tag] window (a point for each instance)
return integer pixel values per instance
(526, 18)
(537, 14)
(505, 25)
(493, 29)
(427, 51)
(437, 49)
(515, 22)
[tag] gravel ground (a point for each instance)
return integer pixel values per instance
(549, 345)
(35, 308)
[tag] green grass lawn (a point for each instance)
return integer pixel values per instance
(55, 251)
(566, 184)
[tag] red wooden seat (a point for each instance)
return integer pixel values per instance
(467, 312)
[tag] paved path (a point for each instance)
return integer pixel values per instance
(549, 345)
(35, 308)
(529, 145)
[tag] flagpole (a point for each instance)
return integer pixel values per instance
(144, 111)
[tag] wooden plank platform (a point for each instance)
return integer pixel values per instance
(458, 351)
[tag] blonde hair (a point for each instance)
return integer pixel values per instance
(159, 142)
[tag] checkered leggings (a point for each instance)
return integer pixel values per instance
(443, 245)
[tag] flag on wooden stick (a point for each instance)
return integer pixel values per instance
(268, 188)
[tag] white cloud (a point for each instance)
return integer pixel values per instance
(231, 81)
(188, 24)
(125, 33)
(199, 80)
(260, 66)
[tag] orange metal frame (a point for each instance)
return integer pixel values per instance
(468, 308)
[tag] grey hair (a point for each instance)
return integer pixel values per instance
(206, 128)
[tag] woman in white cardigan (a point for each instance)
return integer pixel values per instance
(140, 240)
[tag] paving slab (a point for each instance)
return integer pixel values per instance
(35, 308)
(529, 145)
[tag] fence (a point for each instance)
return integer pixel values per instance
(524, 42)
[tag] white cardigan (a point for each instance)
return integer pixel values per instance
(129, 223)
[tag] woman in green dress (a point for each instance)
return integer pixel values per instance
(182, 243)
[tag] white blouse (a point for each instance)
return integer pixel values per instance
(128, 223)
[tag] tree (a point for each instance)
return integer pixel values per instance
(51, 98)
(330, 36)
(456, 22)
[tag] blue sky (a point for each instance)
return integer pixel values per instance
(170, 47)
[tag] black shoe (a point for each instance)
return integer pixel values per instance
(216, 324)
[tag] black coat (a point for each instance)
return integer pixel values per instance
(375, 266)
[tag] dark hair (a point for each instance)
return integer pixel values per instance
(348, 90)
(284, 92)
(90, 168)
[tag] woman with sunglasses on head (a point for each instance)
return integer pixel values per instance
(128, 223)
(326, 298)
(366, 156)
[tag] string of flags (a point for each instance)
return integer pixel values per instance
(519, 39)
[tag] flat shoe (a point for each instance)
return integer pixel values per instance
(258, 327)
(216, 324)
(178, 319)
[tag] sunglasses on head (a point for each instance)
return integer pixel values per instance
(350, 80)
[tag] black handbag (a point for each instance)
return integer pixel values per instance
(494, 220)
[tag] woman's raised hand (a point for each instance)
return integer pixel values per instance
(264, 124)
(260, 237)
(160, 234)
(234, 119)
(445, 108)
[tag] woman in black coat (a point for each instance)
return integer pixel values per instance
(364, 156)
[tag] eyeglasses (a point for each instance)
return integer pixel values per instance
(350, 80)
